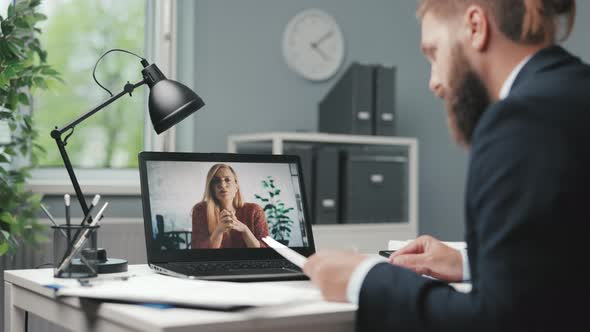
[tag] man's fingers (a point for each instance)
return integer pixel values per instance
(310, 265)
(414, 247)
(417, 263)
(314, 262)
(418, 246)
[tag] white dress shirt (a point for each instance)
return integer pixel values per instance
(355, 283)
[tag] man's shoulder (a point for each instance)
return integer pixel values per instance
(512, 113)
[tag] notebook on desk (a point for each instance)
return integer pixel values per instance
(205, 215)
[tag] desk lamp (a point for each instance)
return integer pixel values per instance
(169, 103)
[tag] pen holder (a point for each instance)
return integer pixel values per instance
(70, 261)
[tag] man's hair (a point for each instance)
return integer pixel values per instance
(524, 21)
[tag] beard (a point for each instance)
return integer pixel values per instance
(468, 98)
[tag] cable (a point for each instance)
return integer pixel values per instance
(42, 265)
(65, 140)
(102, 56)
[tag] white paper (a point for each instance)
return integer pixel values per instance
(396, 245)
(290, 254)
(158, 288)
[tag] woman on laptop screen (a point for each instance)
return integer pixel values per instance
(222, 219)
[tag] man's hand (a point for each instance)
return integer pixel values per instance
(427, 255)
(331, 271)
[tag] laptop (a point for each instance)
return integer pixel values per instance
(205, 215)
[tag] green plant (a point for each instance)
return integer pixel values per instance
(23, 70)
(276, 212)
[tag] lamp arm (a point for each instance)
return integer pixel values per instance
(128, 89)
(61, 145)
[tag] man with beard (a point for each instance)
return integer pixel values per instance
(521, 105)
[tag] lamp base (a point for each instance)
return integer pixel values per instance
(112, 265)
(104, 265)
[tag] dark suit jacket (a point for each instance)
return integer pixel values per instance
(527, 216)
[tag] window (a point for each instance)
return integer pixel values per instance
(103, 148)
(75, 34)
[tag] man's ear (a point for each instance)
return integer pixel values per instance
(477, 26)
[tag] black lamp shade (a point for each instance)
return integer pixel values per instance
(170, 102)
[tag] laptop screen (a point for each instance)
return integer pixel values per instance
(200, 203)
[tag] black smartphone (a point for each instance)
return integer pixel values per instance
(386, 253)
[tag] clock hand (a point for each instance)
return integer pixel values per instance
(324, 37)
(315, 47)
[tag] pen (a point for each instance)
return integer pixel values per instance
(92, 282)
(82, 239)
(68, 228)
(52, 220)
(67, 202)
(92, 205)
(87, 217)
(60, 228)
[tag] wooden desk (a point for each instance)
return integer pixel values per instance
(24, 291)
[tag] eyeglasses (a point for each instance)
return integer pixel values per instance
(217, 181)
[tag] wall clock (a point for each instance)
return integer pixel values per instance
(313, 45)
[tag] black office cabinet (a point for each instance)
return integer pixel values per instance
(326, 199)
(348, 106)
(375, 187)
(306, 155)
(385, 116)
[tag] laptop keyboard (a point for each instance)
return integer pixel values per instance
(227, 266)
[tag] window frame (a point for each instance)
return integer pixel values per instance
(160, 47)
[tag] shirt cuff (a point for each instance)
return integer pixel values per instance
(353, 290)
(466, 271)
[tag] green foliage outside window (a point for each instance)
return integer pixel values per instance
(23, 72)
(76, 34)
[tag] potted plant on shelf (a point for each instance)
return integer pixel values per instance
(279, 222)
(23, 70)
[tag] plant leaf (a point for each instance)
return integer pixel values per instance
(40, 82)
(7, 218)
(10, 12)
(23, 98)
(39, 17)
(3, 248)
(49, 71)
(9, 72)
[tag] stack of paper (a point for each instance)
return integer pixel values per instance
(157, 288)
(396, 245)
(288, 253)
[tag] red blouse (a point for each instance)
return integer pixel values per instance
(250, 215)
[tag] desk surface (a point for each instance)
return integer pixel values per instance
(25, 291)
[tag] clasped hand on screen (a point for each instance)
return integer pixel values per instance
(228, 222)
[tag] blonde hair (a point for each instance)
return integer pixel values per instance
(213, 205)
(525, 21)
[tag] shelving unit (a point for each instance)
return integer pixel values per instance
(365, 237)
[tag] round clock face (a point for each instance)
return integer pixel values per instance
(313, 45)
